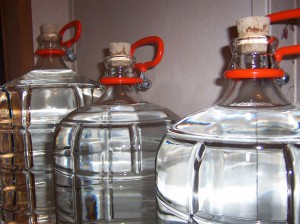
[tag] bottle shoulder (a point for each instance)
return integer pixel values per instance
(236, 123)
(49, 77)
(120, 113)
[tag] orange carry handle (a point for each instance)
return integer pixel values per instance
(77, 25)
(284, 15)
(143, 67)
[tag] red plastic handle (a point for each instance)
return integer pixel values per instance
(77, 25)
(143, 67)
(284, 15)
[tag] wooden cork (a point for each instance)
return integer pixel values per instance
(252, 30)
(253, 26)
(119, 48)
(49, 28)
(120, 53)
(49, 32)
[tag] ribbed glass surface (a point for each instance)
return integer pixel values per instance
(30, 108)
(105, 160)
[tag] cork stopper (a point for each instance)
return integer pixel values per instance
(119, 49)
(49, 32)
(253, 26)
(120, 53)
(252, 30)
(47, 28)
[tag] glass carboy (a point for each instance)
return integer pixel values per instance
(236, 162)
(30, 108)
(104, 159)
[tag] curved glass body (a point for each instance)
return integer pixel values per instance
(30, 108)
(105, 156)
(235, 162)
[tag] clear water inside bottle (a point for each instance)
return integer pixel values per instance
(105, 160)
(30, 109)
(231, 165)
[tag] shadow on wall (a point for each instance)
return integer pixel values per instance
(227, 55)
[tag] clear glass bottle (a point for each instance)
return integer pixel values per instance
(30, 108)
(104, 159)
(237, 161)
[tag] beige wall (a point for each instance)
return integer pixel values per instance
(196, 34)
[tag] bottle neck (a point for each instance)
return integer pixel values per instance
(254, 52)
(119, 71)
(251, 85)
(253, 93)
(122, 91)
(52, 54)
(120, 94)
(50, 62)
(119, 67)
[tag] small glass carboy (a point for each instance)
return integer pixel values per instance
(30, 108)
(105, 152)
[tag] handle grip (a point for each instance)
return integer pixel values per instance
(284, 15)
(143, 67)
(77, 25)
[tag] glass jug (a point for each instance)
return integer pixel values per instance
(30, 108)
(105, 153)
(237, 162)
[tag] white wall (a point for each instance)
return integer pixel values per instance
(196, 34)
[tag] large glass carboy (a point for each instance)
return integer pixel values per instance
(30, 108)
(104, 157)
(236, 162)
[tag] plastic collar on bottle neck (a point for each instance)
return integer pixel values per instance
(260, 73)
(121, 81)
(48, 52)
